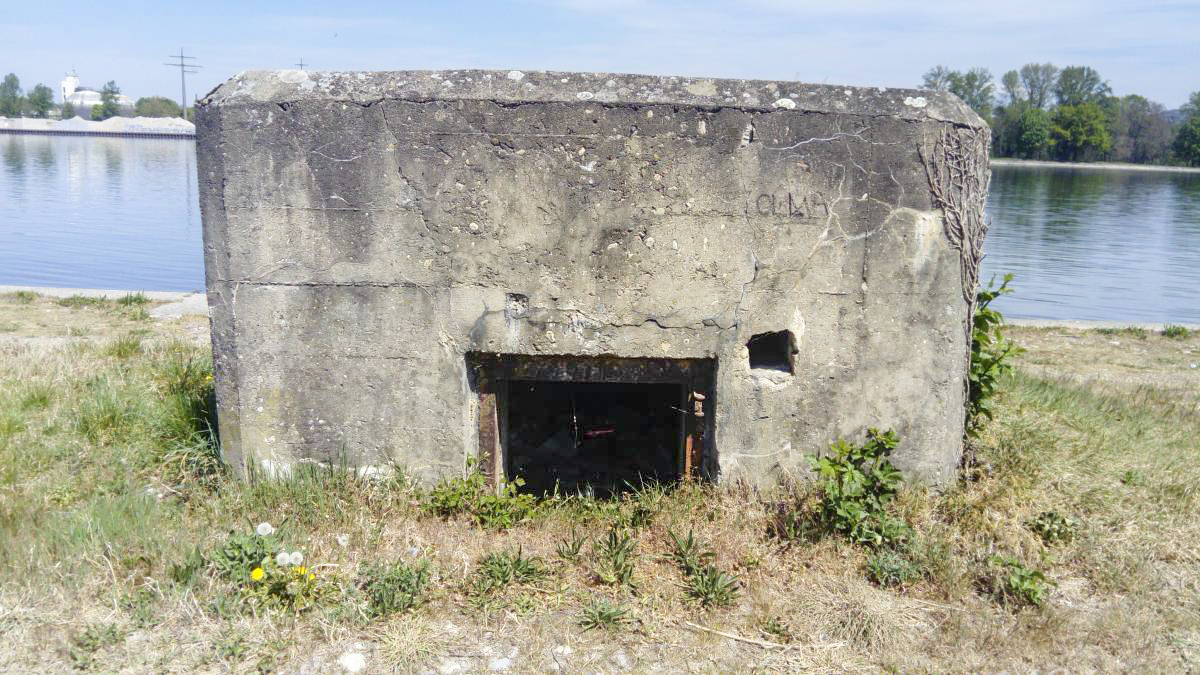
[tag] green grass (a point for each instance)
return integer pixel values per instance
(82, 301)
(1176, 332)
(114, 507)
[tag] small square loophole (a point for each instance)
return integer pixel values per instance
(773, 351)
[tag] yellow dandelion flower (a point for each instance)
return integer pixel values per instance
(299, 571)
(312, 577)
(257, 573)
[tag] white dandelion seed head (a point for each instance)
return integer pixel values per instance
(282, 558)
(343, 540)
(264, 529)
(296, 558)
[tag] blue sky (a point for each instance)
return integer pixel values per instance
(1151, 48)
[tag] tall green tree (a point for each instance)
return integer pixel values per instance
(1192, 107)
(974, 87)
(1079, 132)
(156, 106)
(1013, 88)
(108, 106)
(11, 101)
(41, 100)
(67, 111)
(1077, 85)
(1031, 133)
(937, 78)
(1187, 141)
(1142, 133)
(1039, 80)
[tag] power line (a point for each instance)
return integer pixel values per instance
(185, 68)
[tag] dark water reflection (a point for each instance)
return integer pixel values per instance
(1096, 244)
(1084, 244)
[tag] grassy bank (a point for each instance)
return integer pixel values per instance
(1070, 542)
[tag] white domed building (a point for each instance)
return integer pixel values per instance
(83, 98)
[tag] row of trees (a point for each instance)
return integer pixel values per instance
(1070, 114)
(39, 102)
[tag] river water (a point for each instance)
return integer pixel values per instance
(122, 213)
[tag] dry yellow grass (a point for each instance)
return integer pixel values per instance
(101, 494)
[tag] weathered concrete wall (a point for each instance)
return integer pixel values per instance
(363, 232)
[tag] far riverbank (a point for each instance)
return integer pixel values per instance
(1111, 166)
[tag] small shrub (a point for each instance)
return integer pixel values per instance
(604, 615)
(1176, 332)
(25, 297)
(1053, 527)
(991, 355)
(857, 484)
(1009, 581)
(393, 588)
(712, 588)
(616, 553)
(890, 568)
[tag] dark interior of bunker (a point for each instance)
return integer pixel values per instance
(593, 437)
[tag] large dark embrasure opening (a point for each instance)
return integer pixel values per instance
(593, 425)
(593, 437)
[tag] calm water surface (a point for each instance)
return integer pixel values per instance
(1084, 244)
(97, 212)
(1096, 243)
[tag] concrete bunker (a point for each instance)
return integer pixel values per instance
(584, 278)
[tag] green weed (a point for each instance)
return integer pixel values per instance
(499, 569)
(712, 588)
(617, 554)
(1053, 527)
(1176, 332)
(133, 299)
(472, 495)
(25, 297)
(991, 355)
(94, 637)
(1009, 581)
(81, 301)
(602, 614)
(857, 483)
(568, 549)
(124, 347)
(393, 588)
(889, 567)
(689, 553)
